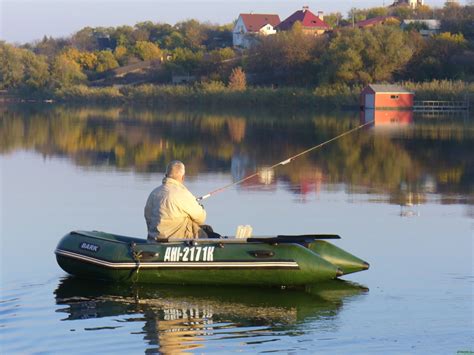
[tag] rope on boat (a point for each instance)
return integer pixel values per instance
(284, 162)
(136, 255)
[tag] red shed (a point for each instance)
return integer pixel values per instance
(386, 97)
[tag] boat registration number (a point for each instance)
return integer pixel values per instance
(189, 254)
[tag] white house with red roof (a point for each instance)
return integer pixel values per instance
(249, 26)
(311, 23)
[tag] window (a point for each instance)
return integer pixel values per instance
(394, 97)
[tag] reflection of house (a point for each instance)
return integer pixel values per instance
(387, 117)
(248, 26)
(411, 3)
(386, 97)
(311, 23)
(379, 20)
(426, 27)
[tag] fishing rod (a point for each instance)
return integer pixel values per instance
(284, 162)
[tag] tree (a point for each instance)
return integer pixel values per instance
(286, 57)
(377, 11)
(36, 73)
(237, 80)
(194, 33)
(105, 61)
(66, 72)
(174, 40)
(333, 19)
(441, 58)
(85, 40)
(11, 66)
(147, 50)
(361, 56)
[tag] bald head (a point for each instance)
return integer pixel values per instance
(175, 170)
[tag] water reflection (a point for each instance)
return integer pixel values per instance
(387, 118)
(418, 159)
(179, 318)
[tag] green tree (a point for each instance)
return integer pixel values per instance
(36, 74)
(11, 66)
(147, 50)
(66, 72)
(333, 19)
(362, 56)
(441, 57)
(194, 33)
(85, 40)
(174, 40)
(105, 61)
(377, 11)
(286, 57)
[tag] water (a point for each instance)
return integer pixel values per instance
(401, 196)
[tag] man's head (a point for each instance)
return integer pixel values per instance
(175, 170)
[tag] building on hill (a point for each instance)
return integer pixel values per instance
(379, 20)
(249, 26)
(411, 3)
(311, 23)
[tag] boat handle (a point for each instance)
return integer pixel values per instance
(262, 253)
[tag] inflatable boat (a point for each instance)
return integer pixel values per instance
(266, 261)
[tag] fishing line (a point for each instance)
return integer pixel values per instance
(284, 162)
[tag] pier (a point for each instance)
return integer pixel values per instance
(441, 107)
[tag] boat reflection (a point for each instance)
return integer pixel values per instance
(181, 318)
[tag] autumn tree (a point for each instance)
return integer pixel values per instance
(237, 80)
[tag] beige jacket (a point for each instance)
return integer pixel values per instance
(171, 211)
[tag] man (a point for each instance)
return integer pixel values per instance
(172, 211)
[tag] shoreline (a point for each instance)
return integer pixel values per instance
(339, 97)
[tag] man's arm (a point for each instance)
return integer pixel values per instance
(194, 209)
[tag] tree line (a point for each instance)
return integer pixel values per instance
(346, 56)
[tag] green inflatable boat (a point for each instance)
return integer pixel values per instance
(266, 261)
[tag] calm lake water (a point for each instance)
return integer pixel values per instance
(401, 195)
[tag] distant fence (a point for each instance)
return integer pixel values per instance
(441, 106)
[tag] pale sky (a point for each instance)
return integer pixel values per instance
(27, 20)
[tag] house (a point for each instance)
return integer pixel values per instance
(426, 27)
(249, 26)
(311, 23)
(377, 96)
(379, 20)
(411, 3)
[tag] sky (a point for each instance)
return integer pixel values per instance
(28, 20)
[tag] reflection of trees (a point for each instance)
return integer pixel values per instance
(178, 318)
(145, 139)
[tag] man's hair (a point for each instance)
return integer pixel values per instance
(175, 169)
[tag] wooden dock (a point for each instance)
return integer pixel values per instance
(441, 107)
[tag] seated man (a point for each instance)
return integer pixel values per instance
(171, 211)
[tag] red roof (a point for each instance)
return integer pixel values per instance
(254, 22)
(307, 19)
(374, 21)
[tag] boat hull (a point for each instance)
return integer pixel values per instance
(111, 257)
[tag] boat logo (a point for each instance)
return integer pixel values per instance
(90, 247)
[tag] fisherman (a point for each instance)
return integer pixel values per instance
(171, 211)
